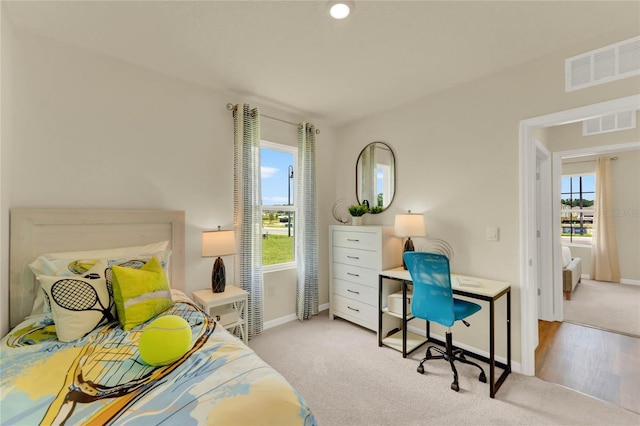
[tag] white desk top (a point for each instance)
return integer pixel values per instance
(479, 286)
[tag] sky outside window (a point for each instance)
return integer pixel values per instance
(275, 177)
(571, 186)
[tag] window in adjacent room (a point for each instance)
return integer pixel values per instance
(278, 165)
(577, 209)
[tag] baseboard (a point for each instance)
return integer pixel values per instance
(622, 280)
(516, 367)
(288, 318)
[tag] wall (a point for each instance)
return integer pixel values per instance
(93, 132)
(458, 163)
(6, 42)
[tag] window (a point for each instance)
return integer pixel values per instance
(277, 165)
(577, 210)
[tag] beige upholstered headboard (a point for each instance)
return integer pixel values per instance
(38, 231)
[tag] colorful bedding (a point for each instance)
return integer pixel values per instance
(100, 379)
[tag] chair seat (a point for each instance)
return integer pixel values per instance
(463, 309)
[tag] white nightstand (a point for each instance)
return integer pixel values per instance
(219, 304)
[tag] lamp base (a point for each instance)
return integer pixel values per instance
(408, 246)
(218, 279)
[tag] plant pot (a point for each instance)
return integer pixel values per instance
(356, 220)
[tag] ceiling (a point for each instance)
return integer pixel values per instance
(292, 55)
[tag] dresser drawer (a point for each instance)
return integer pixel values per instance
(355, 257)
(356, 239)
(358, 312)
(355, 274)
(356, 292)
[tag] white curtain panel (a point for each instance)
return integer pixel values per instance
(306, 225)
(247, 211)
(605, 265)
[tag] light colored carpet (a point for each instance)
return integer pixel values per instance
(604, 305)
(348, 380)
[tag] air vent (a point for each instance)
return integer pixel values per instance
(614, 62)
(609, 123)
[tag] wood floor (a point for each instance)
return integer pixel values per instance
(599, 363)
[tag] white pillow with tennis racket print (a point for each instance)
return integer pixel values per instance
(78, 304)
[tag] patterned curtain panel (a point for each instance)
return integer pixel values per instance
(604, 265)
(247, 212)
(306, 225)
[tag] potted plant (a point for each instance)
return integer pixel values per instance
(375, 210)
(357, 211)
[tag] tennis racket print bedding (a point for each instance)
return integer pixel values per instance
(101, 378)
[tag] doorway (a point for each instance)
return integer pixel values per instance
(530, 261)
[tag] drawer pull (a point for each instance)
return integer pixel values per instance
(352, 274)
(353, 257)
(353, 239)
(353, 309)
(353, 291)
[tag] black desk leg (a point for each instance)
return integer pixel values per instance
(492, 353)
(404, 319)
(509, 331)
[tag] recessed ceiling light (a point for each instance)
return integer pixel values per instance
(340, 9)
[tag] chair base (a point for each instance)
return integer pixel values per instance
(451, 355)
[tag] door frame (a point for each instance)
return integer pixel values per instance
(544, 238)
(529, 261)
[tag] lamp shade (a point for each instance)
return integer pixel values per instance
(410, 225)
(218, 243)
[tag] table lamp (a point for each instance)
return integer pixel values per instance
(218, 243)
(409, 225)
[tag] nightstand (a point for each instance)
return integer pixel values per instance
(229, 308)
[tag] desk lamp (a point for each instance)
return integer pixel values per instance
(218, 243)
(409, 225)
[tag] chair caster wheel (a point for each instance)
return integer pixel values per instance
(482, 378)
(420, 369)
(455, 386)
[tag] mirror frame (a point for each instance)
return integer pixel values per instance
(393, 171)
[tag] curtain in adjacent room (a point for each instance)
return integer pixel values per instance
(306, 225)
(369, 186)
(605, 265)
(247, 210)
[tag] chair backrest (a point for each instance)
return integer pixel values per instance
(432, 294)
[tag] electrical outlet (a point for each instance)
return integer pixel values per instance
(271, 290)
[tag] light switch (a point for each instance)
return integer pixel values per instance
(492, 233)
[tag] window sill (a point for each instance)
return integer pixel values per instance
(583, 245)
(279, 267)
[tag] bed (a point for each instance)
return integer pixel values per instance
(100, 377)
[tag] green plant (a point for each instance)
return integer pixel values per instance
(375, 210)
(358, 210)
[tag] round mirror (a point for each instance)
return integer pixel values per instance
(376, 175)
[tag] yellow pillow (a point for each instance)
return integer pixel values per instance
(140, 294)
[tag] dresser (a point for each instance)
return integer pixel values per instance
(357, 254)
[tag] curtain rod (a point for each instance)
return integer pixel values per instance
(589, 161)
(231, 107)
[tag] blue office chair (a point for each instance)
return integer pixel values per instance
(433, 301)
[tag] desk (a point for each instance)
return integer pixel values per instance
(487, 290)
